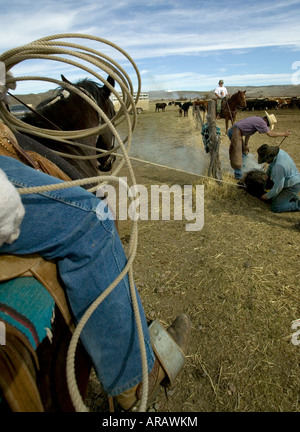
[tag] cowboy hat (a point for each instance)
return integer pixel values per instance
(271, 119)
(267, 153)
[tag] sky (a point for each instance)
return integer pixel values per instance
(176, 45)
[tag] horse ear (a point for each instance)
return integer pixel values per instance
(106, 90)
(111, 81)
(64, 79)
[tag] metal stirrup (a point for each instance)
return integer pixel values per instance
(167, 351)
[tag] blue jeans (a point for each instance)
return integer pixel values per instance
(63, 225)
(282, 202)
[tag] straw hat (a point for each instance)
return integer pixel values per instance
(271, 119)
(267, 153)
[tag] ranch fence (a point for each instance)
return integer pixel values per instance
(211, 139)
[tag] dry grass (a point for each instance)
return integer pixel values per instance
(238, 279)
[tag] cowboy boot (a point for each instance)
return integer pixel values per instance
(163, 372)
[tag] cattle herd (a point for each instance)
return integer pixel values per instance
(272, 103)
(253, 104)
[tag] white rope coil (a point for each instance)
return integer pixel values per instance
(59, 48)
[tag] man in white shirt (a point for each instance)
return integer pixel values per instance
(220, 93)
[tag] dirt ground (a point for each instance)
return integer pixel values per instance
(237, 278)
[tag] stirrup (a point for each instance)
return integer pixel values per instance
(169, 354)
(169, 347)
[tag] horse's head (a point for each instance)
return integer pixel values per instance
(242, 98)
(69, 111)
(100, 94)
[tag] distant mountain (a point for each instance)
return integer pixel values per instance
(31, 98)
(252, 92)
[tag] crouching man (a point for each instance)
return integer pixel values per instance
(284, 194)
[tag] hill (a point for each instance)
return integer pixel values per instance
(252, 92)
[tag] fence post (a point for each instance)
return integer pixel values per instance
(214, 168)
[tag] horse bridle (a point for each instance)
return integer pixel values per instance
(43, 118)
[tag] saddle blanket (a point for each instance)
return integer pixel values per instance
(28, 306)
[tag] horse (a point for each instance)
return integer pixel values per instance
(161, 106)
(69, 112)
(231, 105)
(33, 372)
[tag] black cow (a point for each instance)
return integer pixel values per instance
(256, 183)
(161, 106)
(261, 104)
(185, 107)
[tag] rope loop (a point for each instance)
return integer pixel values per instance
(62, 48)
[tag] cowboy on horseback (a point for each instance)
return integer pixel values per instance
(70, 227)
(221, 93)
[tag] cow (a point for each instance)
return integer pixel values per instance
(261, 104)
(200, 105)
(161, 105)
(185, 108)
(256, 183)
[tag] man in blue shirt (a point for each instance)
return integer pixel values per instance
(285, 176)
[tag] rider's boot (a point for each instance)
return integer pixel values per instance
(170, 348)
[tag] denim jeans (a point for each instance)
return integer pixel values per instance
(63, 225)
(282, 202)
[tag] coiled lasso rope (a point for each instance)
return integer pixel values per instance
(60, 48)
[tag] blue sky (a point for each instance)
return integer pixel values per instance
(177, 45)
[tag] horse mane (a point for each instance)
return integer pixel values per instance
(93, 87)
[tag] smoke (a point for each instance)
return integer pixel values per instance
(250, 163)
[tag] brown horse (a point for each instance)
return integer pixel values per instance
(70, 112)
(230, 107)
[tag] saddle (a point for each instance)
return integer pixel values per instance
(18, 358)
(11, 148)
